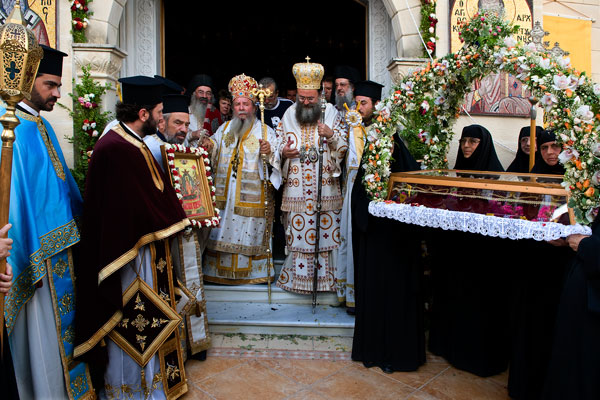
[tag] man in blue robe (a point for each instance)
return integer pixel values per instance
(44, 205)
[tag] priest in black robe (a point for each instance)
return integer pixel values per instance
(129, 208)
(389, 328)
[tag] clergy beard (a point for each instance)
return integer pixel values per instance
(308, 114)
(198, 110)
(239, 126)
(42, 104)
(175, 139)
(149, 126)
(347, 98)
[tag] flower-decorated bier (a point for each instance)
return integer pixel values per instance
(499, 204)
(190, 173)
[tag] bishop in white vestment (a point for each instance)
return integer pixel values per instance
(236, 250)
(299, 133)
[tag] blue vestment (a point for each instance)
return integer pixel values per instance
(44, 205)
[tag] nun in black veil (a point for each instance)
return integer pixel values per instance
(477, 151)
(537, 285)
(389, 327)
(548, 149)
(521, 162)
(470, 283)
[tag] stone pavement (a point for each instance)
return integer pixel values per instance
(294, 367)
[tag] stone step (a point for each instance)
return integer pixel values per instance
(259, 294)
(278, 318)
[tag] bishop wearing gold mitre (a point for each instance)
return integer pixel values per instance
(299, 132)
(236, 249)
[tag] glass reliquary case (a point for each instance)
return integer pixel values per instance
(531, 197)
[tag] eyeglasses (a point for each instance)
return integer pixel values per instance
(310, 99)
(469, 140)
(202, 92)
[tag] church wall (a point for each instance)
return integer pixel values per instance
(59, 118)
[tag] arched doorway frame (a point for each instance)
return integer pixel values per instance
(135, 27)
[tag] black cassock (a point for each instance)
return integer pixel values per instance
(470, 301)
(574, 371)
(470, 284)
(389, 328)
(537, 282)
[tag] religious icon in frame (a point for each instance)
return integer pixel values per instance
(497, 94)
(189, 171)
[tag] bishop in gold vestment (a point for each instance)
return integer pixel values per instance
(236, 250)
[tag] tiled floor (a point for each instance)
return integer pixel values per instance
(294, 367)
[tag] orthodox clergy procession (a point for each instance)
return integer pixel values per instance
(405, 209)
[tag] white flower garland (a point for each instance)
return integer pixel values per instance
(170, 150)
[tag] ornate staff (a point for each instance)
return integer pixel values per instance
(20, 57)
(261, 93)
(322, 144)
(532, 138)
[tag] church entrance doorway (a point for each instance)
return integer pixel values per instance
(224, 39)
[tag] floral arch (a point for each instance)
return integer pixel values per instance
(425, 104)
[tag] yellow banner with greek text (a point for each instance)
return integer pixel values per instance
(573, 35)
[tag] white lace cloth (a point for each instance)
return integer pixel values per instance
(487, 225)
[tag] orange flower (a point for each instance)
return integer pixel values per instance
(586, 183)
(589, 192)
(579, 185)
(569, 92)
(578, 164)
(567, 125)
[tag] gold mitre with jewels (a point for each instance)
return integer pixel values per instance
(242, 86)
(308, 75)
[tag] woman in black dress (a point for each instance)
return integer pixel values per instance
(469, 313)
(574, 371)
(537, 283)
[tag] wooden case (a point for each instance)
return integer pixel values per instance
(532, 197)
